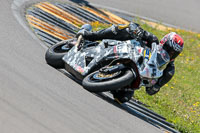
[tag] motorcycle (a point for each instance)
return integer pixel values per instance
(109, 64)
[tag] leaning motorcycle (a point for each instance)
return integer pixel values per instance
(109, 65)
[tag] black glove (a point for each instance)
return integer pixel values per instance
(152, 90)
(135, 30)
(81, 32)
(139, 32)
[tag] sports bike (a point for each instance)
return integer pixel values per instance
(109, 65)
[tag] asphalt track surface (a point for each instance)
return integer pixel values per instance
(35, 98)
(179, 13)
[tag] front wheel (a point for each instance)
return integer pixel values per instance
(56, 52)
(100, 82)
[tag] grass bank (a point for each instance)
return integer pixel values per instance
(178, 100)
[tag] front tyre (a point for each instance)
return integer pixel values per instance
(99, 82)
(56, 52)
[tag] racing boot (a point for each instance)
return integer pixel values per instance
(122, 96)
(152, 90)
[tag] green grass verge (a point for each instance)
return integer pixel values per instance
(178, 100)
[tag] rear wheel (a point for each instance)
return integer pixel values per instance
(56, 52)
(100, 82)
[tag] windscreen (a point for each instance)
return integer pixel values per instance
(163, 59)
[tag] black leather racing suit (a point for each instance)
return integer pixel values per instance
(128, 32)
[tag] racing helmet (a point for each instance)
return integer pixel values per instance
(173, 44)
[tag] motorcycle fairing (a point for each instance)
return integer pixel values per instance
(81, 62)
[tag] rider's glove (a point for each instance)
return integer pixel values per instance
(152, 90)
(81, 32)
(135, 30)
(139, 32)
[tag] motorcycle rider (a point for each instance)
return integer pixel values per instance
(171, 42)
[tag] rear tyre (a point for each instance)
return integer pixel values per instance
(94, 82)
(56, 52)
